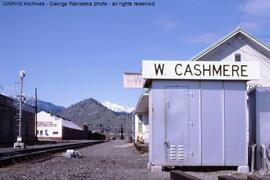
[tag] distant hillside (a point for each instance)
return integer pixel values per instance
(45, 106)
(49, 107)
(97, 117)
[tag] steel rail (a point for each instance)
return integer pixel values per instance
(13, 157)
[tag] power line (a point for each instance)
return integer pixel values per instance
(263, 36)
(241, 12)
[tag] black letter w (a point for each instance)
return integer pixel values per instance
(159, 68)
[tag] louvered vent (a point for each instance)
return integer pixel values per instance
(172, 152)
(181, 152)
(177, 152)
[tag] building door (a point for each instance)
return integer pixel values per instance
(177, 124)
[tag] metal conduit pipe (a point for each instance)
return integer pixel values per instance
(253, 152)
(265, 159)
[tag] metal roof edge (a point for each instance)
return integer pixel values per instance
(140, 99)
(226, 38)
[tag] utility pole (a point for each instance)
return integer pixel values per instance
(36, 111)
(19, 143)
(121, 133)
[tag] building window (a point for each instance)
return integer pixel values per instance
(140, 127)
(46, 132)
(237, 57)
(55, 132)
(37, 132)
(41, 132)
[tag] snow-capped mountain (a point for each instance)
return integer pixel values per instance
(117, 108)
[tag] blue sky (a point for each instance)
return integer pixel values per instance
(74, 53)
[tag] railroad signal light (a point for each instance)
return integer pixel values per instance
(19, 143)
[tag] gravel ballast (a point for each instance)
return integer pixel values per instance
(110, 160)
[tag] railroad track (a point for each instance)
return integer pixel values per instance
(23, 155)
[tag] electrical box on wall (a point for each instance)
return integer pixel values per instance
(198, 123)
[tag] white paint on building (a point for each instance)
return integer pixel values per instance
(141, 128)
(142, 120)
(50, 126)
(240, 43)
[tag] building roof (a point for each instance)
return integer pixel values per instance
(71, 125)
(143, 103)
(65, 122)
(229, 36)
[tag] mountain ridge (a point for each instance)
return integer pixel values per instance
(98, 117)
(44, 105)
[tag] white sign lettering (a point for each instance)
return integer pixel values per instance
(207, 70)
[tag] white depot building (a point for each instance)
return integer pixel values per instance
(52, 127)
(237, 46)
(195, 113)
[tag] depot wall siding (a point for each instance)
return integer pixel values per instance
(217, 119)
(249, 52)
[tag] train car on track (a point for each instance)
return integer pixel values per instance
(9, 121)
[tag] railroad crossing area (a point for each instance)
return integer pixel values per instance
(107, 160)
